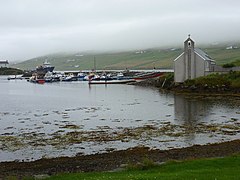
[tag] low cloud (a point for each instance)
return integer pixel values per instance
(32, 28)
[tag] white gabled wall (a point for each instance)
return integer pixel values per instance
(200, 66)
(179, 73)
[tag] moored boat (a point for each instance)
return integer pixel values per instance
(46, 67)
(148, 76)
(37, 79)
(81, 76)
(15, 77)
(70, 77)
(124, 81)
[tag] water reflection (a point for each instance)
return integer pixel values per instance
(189, 111)
(206, 114)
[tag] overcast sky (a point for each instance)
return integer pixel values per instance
(30, 28)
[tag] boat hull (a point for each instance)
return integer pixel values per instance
(112, 81)
(148, 76)
(39, 81)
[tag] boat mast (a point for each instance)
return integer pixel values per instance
(94, 58)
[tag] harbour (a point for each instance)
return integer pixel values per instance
(70, 118)
(44, 73)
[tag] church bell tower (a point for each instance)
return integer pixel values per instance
(189, 60)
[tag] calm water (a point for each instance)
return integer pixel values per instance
(65, 119)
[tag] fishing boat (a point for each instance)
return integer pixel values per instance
(46, 67)
(37, 79)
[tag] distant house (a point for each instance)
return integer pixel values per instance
(4, 63)
(231, 47)
(192, 63)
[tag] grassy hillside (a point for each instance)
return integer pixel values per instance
(146, 59)
(10, 71)
(236, 63)
(223, 55)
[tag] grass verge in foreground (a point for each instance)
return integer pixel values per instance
(217, 168)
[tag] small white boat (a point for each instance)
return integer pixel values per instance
(81, 76)
(15, 77)
(70, 77)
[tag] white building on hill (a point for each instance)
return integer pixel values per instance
(4, 63)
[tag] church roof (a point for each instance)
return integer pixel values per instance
(188, 39)
(204, 55)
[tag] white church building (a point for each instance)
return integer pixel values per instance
(192, 63)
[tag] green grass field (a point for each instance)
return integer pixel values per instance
(217, 168)
(148, 59)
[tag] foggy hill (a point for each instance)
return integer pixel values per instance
(138, 59)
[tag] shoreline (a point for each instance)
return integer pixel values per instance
(202, 93)
(116, 159)
(170, 87)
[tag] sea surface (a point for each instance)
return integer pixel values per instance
(73, 118)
